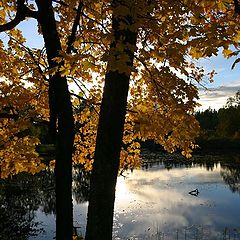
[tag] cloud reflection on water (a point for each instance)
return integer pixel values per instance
(158, 198)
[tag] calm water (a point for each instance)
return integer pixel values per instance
(151, 203)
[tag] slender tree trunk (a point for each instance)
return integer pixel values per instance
(62, 112)
(109, 135)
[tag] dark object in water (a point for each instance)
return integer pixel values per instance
(194, 192)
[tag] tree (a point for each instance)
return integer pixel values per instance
(141, 45)
(208, 119)
(61, 116)
(228, 117)
(111, 126)
(221, 124)
(233, 101)
(126, 26)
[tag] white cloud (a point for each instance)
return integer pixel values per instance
(217, 97)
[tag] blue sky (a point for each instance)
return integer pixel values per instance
(30, 29)
(30, 32)
(226, 84)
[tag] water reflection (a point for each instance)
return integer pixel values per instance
(153, 201)
(81, 185)
(27, 204)
(231, 176)
(159, 202)
(20, 197)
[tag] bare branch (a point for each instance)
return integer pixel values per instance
(22, 12)
(237, 6)
(8, 115)
(72, 37)
(79, 97)
(98, 23)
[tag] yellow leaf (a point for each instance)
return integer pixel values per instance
(227, 53)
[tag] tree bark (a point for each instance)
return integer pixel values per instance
(109, 135)
(62, 117)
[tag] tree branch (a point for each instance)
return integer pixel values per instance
(237, 6)
(9, 116)
(31, 54)
(61, 3)
(72, 37)
(22, 12)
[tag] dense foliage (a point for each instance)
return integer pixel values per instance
(162, 94)
(144, 54)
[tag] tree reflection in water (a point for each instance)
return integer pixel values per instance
(22, 195)
(81, 184)
(231, 174)
(230, 165)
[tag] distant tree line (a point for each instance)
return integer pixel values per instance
(221, 126)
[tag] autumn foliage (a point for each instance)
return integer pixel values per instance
(163, 94)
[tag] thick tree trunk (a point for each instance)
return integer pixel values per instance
(61, 108)
(109, 137)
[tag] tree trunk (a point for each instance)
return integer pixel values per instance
(61, 111)
(109, 135)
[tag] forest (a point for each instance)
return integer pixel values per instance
(220, 128)
(111, 74)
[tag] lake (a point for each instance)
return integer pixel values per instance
(167, 199)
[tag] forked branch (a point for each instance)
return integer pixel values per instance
(22, 12)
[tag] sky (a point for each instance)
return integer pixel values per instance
(214, 95)
(226, 81)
